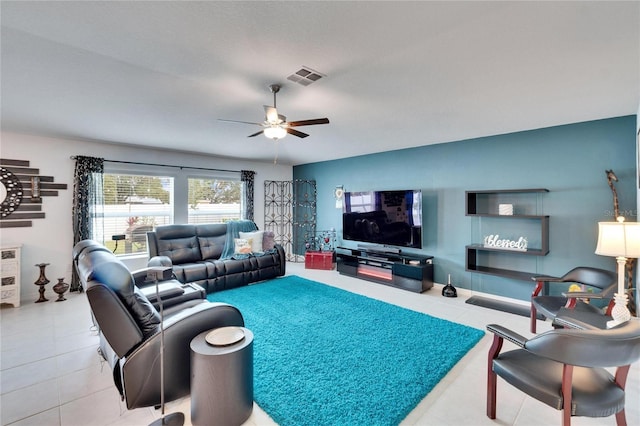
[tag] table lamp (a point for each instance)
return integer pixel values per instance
(620, 240)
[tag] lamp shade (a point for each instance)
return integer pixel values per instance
(619, 239)
(275, 132)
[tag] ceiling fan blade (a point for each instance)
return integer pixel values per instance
(308, 122)
(238, 121)
(295, 132)
(256, 134)
(271, 113)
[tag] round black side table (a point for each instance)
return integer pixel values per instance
(222, 377)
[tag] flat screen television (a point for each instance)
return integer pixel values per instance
(391, 218)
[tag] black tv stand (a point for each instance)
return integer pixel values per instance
(411, 272)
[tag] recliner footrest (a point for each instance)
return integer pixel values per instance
(165, 290)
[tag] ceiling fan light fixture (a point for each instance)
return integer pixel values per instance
(275, 132)
(276, 125)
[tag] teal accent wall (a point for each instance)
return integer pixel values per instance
(569, 160)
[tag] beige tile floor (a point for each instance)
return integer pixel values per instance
(50, 372)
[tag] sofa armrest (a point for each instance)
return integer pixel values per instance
(283, 259)
(173, 293)
(583, 295)
(509, 335)
(547, 279)
(166, 290)
(160, 261)
(541, 281)
(584, 320)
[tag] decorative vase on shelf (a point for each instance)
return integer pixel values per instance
(41, 281)
(60, 289)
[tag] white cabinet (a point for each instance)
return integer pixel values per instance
(10, 288)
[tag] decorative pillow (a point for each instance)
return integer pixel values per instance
(268, 241)
(242, 245)
(256, 238)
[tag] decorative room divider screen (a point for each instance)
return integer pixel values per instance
(290, 212)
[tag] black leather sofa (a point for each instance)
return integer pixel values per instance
(194, 252)
(129, 327)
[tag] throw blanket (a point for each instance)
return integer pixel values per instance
(233, 230)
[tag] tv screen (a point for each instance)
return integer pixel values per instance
(383, 217)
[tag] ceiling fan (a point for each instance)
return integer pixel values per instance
(275, 126)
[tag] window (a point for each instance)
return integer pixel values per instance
(133, 205)
(214, 200)
(362, 202)
(135, 202)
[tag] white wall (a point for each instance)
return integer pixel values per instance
(50, 240)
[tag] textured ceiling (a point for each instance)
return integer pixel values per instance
(398, 74)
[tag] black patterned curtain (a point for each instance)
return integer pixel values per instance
(247, 176)
(87, 195)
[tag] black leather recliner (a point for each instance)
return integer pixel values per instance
(567, 369)
(129, 328)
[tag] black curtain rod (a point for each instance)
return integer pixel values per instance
(73, 157)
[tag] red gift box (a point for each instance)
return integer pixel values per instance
(319, 260)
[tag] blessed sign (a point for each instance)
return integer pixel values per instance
(494, 241)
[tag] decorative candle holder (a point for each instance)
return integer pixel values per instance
(42, 281)
(60, 288)
(449, 290)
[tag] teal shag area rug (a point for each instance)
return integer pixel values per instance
(325, 356)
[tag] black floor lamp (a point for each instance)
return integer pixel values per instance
(172, 419)
(116, 238)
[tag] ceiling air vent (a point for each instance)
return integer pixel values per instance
(305, 76)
